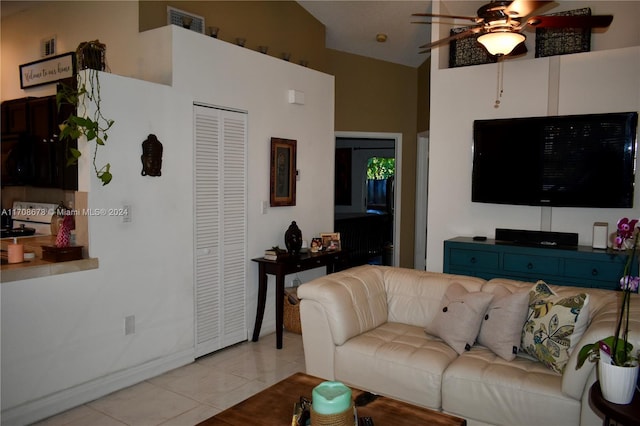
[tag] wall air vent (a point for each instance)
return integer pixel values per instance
(48, 46)
(185, 19)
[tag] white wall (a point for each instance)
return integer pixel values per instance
(63, 336)
(63, 339)
(598, 81)
(199, 69)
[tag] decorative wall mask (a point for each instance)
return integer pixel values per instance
(151, 157)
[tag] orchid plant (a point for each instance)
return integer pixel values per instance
(617, 347)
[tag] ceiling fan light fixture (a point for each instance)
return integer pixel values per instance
(501, 43)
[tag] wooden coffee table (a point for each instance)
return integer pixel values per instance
(274, 406)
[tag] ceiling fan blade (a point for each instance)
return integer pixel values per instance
(463, 34)
(435, 22)
(522, 8)
(520, 49)
(435, 15)
(576, 21)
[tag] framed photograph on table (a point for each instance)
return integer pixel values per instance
(331, 241)
(283, 172)
(316, 245)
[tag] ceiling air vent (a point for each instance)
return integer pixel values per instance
(185, 19)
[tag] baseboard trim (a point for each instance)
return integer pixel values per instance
(58, 402)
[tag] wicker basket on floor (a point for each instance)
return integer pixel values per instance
(291, 312)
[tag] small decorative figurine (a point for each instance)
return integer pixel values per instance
(57, 218)
(63, 239)
(293, 239)
(151, 157)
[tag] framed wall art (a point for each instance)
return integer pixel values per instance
(283, 172)
(467, 51)
(48, 70)
(563, 41)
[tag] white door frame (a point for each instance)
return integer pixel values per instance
(422, 198)
(397, 137)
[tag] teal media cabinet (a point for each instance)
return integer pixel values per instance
(581, 266)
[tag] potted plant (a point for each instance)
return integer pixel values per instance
(85, 97)
(617, 364)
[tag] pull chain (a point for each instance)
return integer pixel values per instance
(500, 83)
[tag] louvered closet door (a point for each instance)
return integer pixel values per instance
(220, 228)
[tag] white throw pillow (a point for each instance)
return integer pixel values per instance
(501, 328)
(459, 317)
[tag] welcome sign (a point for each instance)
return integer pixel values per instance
(48, 70)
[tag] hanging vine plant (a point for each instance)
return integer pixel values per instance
(85, 97)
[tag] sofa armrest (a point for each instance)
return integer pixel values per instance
(352, 301)
(317, 340)
(604, 317)
(574, 381)
(336, 308)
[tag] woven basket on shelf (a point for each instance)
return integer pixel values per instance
(346, 418)
(291, 315)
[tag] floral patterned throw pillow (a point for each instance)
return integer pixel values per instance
(551, 322)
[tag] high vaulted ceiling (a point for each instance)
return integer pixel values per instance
(352, 26)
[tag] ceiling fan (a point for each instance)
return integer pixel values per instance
(499, 24)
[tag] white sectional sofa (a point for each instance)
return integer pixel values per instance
(366, 327)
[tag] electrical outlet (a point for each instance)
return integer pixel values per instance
(129, 324)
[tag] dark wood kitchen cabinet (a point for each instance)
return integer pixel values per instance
(43, 140)
(15, 116)
(32, 152)
(15, 147)
(50, 153)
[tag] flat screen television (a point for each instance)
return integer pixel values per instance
(558, 161)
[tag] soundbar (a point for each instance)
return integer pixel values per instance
(537, 238)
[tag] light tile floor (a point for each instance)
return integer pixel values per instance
(187, 395)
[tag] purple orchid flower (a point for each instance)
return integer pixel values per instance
(626, 229)
(630, 283)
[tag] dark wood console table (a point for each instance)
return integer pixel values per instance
(284, 266)
(623, 415)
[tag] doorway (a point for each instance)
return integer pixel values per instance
(353, 149)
